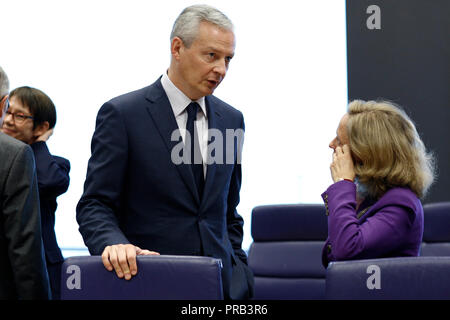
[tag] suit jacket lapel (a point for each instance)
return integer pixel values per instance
(164, 120)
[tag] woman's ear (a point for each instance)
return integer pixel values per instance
(355, 158)
(41, 129)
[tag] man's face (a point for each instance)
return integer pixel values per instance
(17, 126)
(203, 66)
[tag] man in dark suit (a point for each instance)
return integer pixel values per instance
(23, 273)
(138, 197)
(31, 119)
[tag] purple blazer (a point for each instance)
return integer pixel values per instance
(389, 227)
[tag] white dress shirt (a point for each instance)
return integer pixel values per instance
(179, 101)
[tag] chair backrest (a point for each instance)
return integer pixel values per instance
(406, 278)
(162, 277)
(285, 255)
(436, 234)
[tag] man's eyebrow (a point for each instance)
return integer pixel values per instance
(209, 48)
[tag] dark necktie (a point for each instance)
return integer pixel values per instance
(197, 168)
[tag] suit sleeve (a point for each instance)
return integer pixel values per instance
(23, 228)
(52, 172)
(242, 282)
(378, 235)
(234, 220)
(98, 211)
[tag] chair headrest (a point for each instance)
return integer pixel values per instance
(436, 222)
(389, 278)
(289, 222)
(164, 277)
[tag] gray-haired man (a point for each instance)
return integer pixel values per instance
(136, 199)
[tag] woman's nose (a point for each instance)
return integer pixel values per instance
(332, 144)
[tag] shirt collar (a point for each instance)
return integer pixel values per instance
(178, 100)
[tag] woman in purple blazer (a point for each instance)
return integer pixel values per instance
(380, 171)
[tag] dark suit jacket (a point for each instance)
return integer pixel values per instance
(23, 273)
(53, 180)
(134, 193)
(392, 226)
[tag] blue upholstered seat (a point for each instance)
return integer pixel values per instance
(285, 255)
(389, 278)
(162, 277)
(436, 235)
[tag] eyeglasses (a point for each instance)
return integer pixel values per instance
(18, 117)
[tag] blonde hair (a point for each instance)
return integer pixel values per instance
(387, 149)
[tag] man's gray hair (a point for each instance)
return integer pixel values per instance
(4, 83)
(186, 25)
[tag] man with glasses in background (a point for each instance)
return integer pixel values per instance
(23, 272)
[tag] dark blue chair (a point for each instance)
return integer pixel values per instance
(405, 278)
(162, 277)
(436, 234)
(285, 255)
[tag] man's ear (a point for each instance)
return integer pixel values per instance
(41, 129)
(3, 107)
(176, 46)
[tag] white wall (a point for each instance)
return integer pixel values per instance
(288, 77)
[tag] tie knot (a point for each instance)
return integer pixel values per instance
(192, 109)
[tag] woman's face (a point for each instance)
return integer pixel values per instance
(341, 134)
(21, 129)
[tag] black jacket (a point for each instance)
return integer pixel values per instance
(53, 180)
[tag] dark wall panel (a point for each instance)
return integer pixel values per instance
(400, 51)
